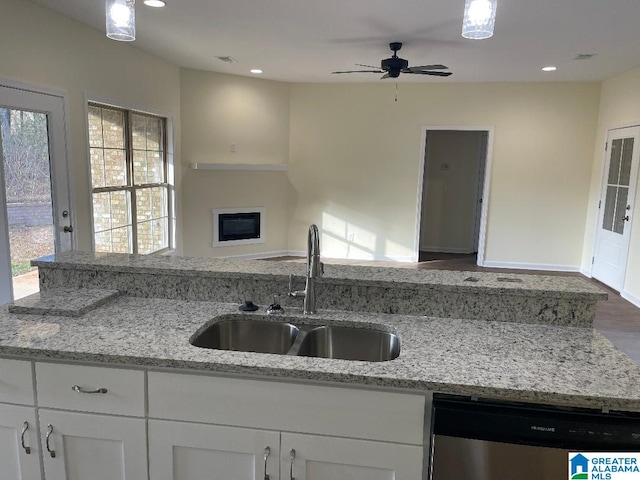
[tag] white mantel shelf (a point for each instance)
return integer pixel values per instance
(262, 167)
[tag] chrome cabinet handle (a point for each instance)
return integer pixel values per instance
(293, 457)
(79, 389)
(25, 427)
(49, 432)
(267, 452)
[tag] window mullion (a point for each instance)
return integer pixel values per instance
(130, 179)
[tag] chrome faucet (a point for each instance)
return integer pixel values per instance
(315, 269)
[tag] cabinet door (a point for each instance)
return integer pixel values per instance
(19, 452)
(79, 446)
(187, 451)
(327, 458)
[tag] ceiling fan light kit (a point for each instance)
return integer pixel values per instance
(121, 20)
(479, 19)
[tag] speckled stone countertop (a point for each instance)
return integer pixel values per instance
(532, 363)
(487, 283)
(63, 301)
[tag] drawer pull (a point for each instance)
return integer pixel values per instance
(49, 432)
(267, 452)
(293, 457)
(79, 389)
(25, 427)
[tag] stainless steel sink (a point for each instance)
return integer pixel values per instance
(349, 343)
(247, 335)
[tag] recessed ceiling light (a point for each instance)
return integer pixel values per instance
(549, 68)
(155, 3)
(255, 70)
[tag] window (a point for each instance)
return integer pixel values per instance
(129, 180)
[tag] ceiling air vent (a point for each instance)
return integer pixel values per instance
(585, 56)
(228, 59)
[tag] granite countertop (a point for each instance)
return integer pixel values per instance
(442, 280)
(532, 363)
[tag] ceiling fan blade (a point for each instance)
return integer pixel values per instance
(428, 67)
(435, 74)
(386, 75)
(360, 71)
(368, 66)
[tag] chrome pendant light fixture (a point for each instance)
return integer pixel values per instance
(479, 19)
(121, 20)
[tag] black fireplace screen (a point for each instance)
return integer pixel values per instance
(238, 226)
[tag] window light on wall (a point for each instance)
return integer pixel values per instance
(479, 19)
(121, 20)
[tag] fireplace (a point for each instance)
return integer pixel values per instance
(238, 226)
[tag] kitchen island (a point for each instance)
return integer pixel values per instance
(101, 356)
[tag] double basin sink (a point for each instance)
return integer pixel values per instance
(264, 335)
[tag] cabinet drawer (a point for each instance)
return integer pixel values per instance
(325, 410)
(124, 389)
(16, 382)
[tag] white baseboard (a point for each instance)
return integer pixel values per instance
(466, 251)
(586, 272)
(302, 253)
(627, 296)
(533, 266)
(258, 256)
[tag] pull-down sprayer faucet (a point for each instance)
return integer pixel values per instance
(315, 269)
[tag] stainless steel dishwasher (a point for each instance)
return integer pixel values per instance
(489, 440)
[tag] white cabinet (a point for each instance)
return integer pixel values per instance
(187, 451)
(81, 388)
(19, 452)
(336, 433)
(312, 457)
(16, 382)
(80, 446)
(97, 445)
(100, 423)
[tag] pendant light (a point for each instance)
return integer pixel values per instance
(121, 20)
(479, 19)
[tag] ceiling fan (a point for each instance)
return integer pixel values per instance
(392, 67)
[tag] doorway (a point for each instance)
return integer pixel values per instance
(35, 210)
(615, 207)
(454, 188)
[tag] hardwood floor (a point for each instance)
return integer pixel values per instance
(616, 318)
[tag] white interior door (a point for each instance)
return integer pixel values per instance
(616, 203)
(34, 187)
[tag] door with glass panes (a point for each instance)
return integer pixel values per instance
(615, 207)
(35, 213)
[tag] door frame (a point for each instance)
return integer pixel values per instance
(482, 233)
(603, 175)
(56, 168)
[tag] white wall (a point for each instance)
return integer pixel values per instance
(44, 48)
(619, 105)
(253, 114)
(449, 200)
(355, 154)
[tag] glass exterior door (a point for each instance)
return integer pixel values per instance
(33, 210)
